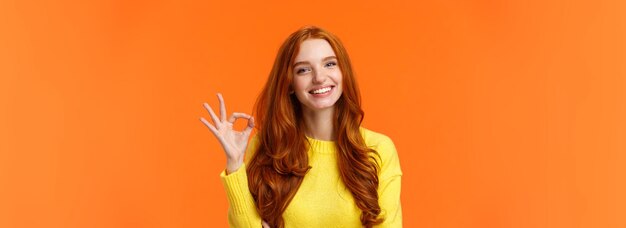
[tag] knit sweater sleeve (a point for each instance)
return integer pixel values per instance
(389, 184)
(242, 210)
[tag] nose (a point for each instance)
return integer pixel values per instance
(319, 76)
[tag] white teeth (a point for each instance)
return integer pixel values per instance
(322, 90)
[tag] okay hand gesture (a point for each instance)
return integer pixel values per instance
(234, 142)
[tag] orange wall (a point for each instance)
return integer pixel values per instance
(504, 113)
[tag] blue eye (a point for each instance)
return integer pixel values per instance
(331, 64)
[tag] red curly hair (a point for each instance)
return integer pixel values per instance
(280, 162)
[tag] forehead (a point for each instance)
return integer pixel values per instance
(314, 49)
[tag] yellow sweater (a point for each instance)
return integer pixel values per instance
(322, 200)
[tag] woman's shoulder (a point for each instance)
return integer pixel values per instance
(386, 149)
(380, 142)
(374, 139)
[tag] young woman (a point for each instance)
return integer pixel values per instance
(310, 164)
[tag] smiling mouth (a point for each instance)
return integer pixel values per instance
(322, 90)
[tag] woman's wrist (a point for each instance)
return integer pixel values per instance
(233, 166)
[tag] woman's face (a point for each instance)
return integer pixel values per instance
(316, 75)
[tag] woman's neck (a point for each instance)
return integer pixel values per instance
(319, 124)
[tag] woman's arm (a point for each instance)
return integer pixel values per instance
(390, 181)
(242, 211)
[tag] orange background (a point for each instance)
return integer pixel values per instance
(504, 113)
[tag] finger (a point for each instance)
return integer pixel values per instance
(237, 115)
(213, 116)
(250, 126)
(222, 107)
(213, 130)
(264, 224)
(210, 126)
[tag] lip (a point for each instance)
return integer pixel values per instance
(319, 87)
(331, 91)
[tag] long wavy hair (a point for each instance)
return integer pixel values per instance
(280, 162)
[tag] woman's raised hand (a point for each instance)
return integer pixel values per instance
(233, 142)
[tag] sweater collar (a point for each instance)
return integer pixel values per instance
(322, 146)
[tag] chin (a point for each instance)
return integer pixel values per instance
(321, 106)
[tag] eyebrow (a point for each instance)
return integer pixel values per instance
(324, 59)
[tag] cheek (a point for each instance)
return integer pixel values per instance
(339, 81)
(295, 83)
(298, 85)
(338, 77)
